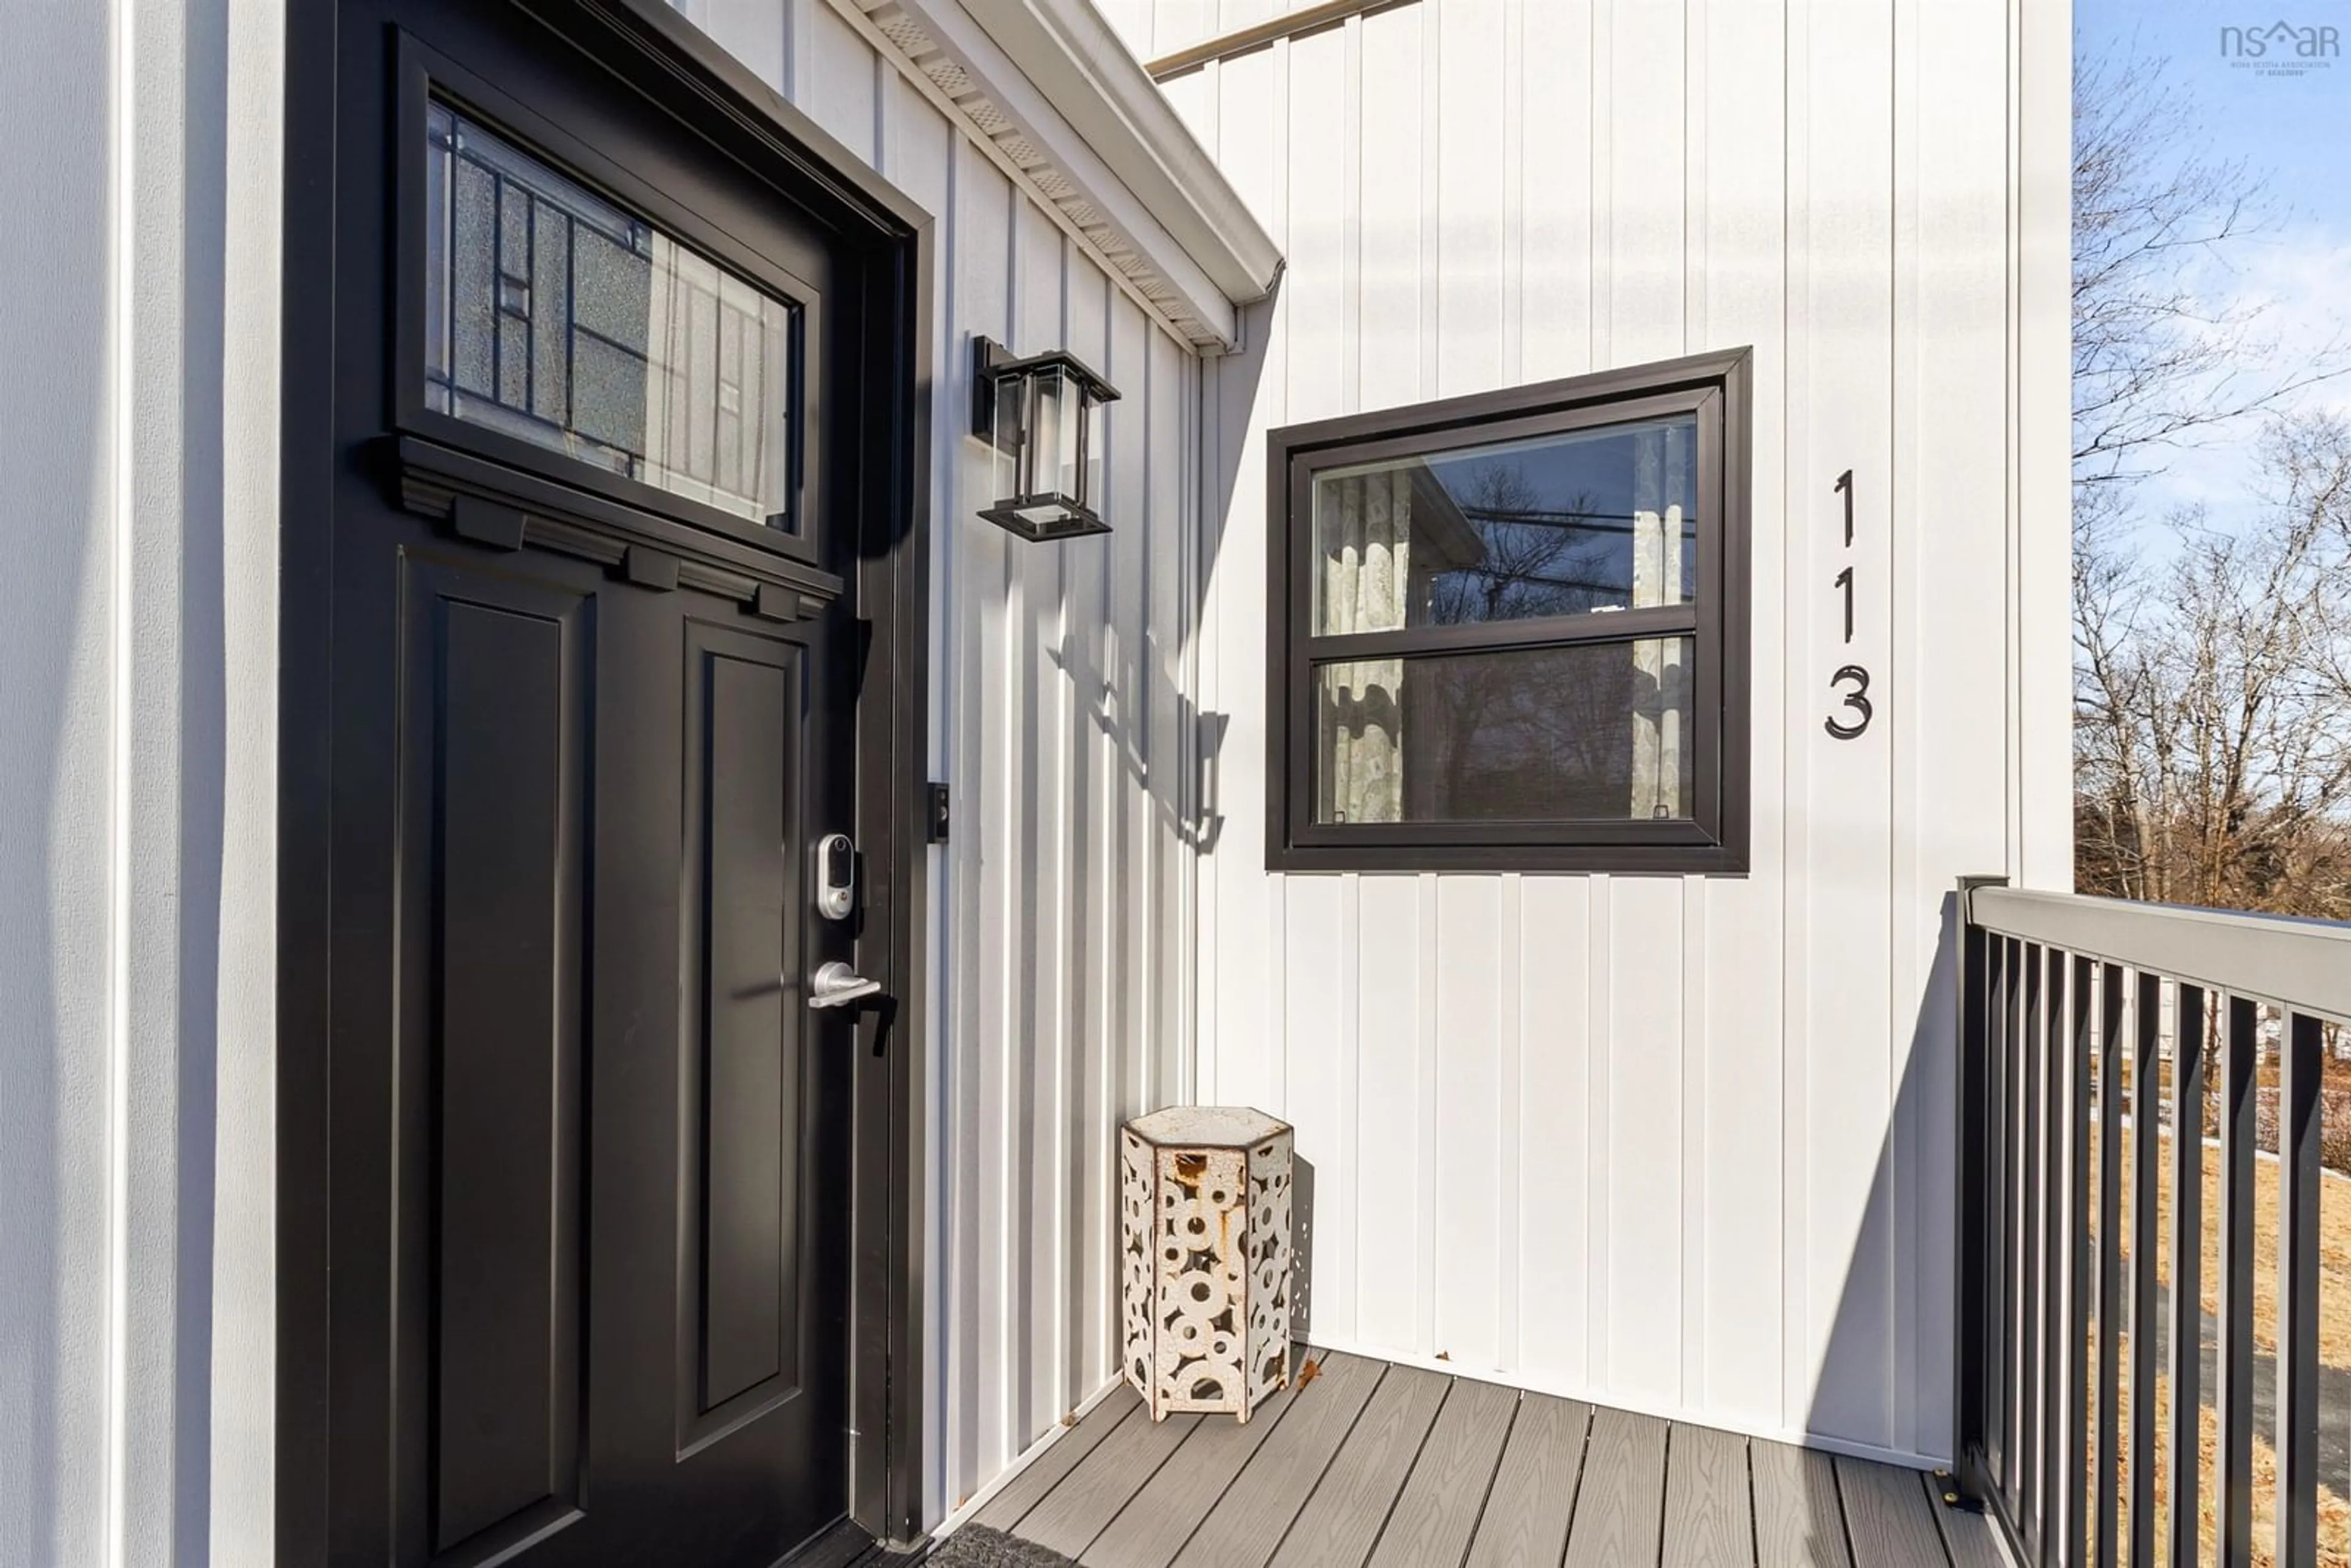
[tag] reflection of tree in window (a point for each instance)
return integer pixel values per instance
(1531, 560)
(1484, 745)
(1595, 731)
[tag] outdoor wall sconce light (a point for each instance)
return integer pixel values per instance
(1043, 415)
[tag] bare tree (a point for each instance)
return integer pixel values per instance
(2212, 762)
(2213, 711)
(2156, 362)
(1532, 561)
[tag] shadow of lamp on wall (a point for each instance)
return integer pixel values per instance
(1043, 415)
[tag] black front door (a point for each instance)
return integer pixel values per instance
(600, 421)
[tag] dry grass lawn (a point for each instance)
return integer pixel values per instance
(2333, 1334)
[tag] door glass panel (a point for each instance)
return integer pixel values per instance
(1592, 520)
(553, 316)
(1590, 731)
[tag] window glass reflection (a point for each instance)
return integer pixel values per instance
(1590, 521)
(1593, 731)
(555, 317)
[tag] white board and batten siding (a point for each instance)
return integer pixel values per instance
(1677, 1143)
(1059, 937)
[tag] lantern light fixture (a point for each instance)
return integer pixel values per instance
(1043, 415)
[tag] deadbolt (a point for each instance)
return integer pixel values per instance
(836, 876)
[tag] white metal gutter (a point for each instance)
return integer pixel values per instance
(1055, 69)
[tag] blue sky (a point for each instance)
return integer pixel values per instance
(2297, 131)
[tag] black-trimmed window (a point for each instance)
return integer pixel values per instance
(1509, 632)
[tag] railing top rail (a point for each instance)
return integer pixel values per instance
(2302, 965)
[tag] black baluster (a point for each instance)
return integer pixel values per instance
(2110, 1254)
(2297, 1329)
(2235, 1478)
(2186, 1445)
(2146, 1019)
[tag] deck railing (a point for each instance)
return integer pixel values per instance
(2093, 1032)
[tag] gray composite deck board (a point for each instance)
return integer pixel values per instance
(1243, 1528)
(1028, 1489)
(1089, 1496)
(1888, 1514)
(1373, 1466)
(1527, 1510)
(1968, 1537)
(1342, 1521)
(1437, 1511)
(1799, 1521)
(1620, 1508)
(1709, 1508)
(1158, 1520)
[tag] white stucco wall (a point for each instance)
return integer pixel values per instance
(137, 702)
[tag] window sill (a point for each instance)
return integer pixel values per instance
(1618, 860)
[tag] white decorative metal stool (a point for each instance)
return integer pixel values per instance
(1207, 1258)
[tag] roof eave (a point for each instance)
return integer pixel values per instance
(1058, 73)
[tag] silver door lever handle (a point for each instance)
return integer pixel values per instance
(835, 985)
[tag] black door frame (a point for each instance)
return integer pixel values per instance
(650, 48)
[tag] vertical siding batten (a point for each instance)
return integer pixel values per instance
(1847, 873)
(1178, 384)
(1338, 1248)
(919, 157)
(1742, 293)
(1647, 177)
(1600, 1363)
(799, 49)
(1696, 1141)
(1387, 1185)
(1561, 1185)
(1317, 328)
(2040, 430)
(840, 82)
(1273, 1013)
(1003, 864)
(1037, 779)
(1795, 994)
(1089, 820)
(1509, 1172)
(1465, 1097)
(1697, 1128)
(1554, 191)
(1957, 373)
(1243, 997)
(1462, 1045)
(1555, 1206)
(1599, 974)
(1426, 1255)
(1906, 977)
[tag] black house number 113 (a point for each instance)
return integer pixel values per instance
(1852, 681)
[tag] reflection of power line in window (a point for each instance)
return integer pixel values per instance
(1591, 522)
